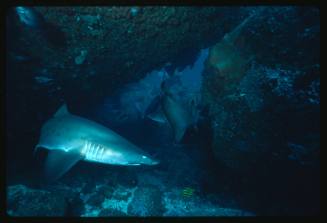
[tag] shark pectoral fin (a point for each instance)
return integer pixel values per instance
(58, 162)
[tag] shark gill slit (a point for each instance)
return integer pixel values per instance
(102, 153)
(90, 151)
(99, 155)
(93, 151)
(87, 149)
(96, 152)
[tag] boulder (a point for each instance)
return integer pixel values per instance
(257, 91)
(24, 201)
(147, 201)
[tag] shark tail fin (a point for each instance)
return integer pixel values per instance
(35, 149)
(58, 162)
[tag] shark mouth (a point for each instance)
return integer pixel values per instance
(133, 164)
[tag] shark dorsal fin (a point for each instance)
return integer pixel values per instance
(62, 111)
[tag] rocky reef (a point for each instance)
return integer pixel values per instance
(24, 201)
(254, 90)
(106, 47)
(262, 84)
(139, 201)
(119, 192)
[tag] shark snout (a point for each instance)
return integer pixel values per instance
(149, 160)
(155, 162)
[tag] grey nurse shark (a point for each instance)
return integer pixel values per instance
(70, 138)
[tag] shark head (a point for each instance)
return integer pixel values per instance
(142, 160)
(134, 158)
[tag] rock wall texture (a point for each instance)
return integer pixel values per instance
(85, 53)
(262, 84)
(262, 87)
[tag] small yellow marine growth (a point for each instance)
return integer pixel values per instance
(187, 192)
